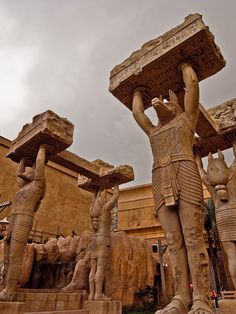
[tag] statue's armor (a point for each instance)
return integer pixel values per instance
(175, 174)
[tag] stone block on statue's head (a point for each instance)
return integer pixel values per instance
(46, 128)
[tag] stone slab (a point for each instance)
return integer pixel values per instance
(103, 307)
(155, 64)
(227, 306)
(61, 312)
(223, 119)
(76, 164)
(108, 176)
(51, 301)
(47, 128)
(11, 308)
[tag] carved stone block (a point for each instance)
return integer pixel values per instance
(47, 128)
(224, 120)
(227, 306)
(155, 64)
(108, 176)
(103, 307)
(11, 307)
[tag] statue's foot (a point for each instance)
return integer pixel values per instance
(91, 297)
(176, 306)
(101, 297)
(3, 295)
(201, 306)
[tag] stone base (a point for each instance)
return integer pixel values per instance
(12, 307)
(50, 301)
(227, 306)
(103, 307)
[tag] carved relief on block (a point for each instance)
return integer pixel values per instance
(155, 64)
(108, 176)
(47, 128)
(224, 119)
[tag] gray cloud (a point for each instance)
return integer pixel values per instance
(64, 51)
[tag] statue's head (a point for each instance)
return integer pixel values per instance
(218, 175)
(95, 223)
(27, 176)
(167, 111)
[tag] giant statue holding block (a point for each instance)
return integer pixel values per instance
(171, 66)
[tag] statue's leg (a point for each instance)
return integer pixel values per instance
(7, 241)
(230, 250)
(191, 217)
(169, 219)
(92, 278)
(22, 226)
(99, 279)
(6, 260)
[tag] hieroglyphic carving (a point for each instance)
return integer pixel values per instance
(223, 117)
(155, 64)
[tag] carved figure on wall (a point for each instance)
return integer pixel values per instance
(25, 203)
(100, 213)
(177, 191)
(220, 181)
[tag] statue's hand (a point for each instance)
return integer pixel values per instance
(183, 64)
(142, 90)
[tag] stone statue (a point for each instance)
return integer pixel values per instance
(177, 191)
(100, 212)
(220, 181)
(25, 203)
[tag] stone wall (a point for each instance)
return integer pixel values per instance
(64, 208)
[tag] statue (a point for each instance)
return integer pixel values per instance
(25, 203)
(177, 191)
(220, 181)
(100, 212)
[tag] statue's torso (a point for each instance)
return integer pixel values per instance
(175, 138)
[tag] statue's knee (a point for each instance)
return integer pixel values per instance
(174, 240)
(193, 237)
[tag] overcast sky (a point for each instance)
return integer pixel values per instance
(57, 54)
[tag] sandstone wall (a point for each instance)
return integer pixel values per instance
(64, 208)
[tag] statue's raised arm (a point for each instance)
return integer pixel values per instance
(191, 96)
(138, 111)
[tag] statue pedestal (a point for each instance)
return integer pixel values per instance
(12, 307)
(103, 307)
(227, 306)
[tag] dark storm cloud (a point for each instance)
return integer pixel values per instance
(66, 49)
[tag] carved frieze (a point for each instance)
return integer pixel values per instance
(155, 64)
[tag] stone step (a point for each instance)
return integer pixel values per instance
(51, 301)
(61, 312)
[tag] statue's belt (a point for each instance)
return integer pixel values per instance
(169, 183)
(166, 160)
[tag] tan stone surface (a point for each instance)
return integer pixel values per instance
(103, 307)
(108, 176)
(155, 64)
(51, 301)
(67, 248)
(52, 249)
(27, 264)
(40, 252)
(47, 128)
(223, 118)
(12, 308)
(124, 275)
(76, 164)
(64, 204)
(227, 306)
